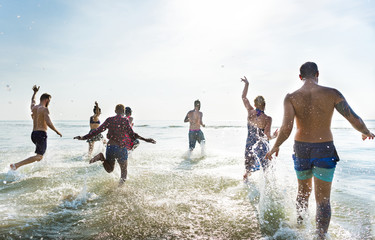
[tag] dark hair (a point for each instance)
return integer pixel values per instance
(45, 96)
(128, 110)
(308, 69)
(120, 108)
(197, 102)
(97, 108)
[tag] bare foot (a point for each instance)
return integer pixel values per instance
(13, 167)
(99, 157)
(121, 182)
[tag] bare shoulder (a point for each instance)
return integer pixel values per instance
(45, 110)
(332, 94)
(268, 119)
(329, 90)
(290, 96)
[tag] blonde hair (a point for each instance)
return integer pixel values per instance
(259, 102)
(120, 108)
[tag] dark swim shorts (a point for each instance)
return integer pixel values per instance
(318, 159)
(39, 138)
(194, 136)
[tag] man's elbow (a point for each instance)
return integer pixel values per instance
(285, 131)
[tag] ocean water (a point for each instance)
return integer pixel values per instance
(168, 196)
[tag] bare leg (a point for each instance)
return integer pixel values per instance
(99, 157)
(203, 147)
(323, 206)
(29, 160)
(246, 175)
(304, 191)
(108, 166)
(91, 147)
(124, 170)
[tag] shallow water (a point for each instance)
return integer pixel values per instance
(168, 196)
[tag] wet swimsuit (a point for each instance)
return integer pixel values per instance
(39, 138)
(256, 148)
(98, 137)
(95, 138)
(92, 121)
(259, 112)
(194, 136)
(318, 159)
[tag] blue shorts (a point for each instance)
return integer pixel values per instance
(39, 138)
(318, 159)
(118, 153)
(194, 136)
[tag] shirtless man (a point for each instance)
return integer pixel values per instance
(194, 117)
(41, 120)
(315, 156)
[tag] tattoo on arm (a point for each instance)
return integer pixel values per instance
(344, 109)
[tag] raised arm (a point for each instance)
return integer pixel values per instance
(33, 103)
(345, 110)
(244, 94)
(97, 111)
(49, 122)
(286, 127)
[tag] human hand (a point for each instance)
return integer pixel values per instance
(58, 133)
(273, 150)
(78, 137)
(150, 140)
(244, 79)
(370, 135)
(35, 88)
(275, 134)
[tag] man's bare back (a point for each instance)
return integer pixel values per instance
(315, 156)
(39, 114)
(314, 106)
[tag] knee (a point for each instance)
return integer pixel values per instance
(109, 169)
(38, 157)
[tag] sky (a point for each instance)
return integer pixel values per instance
(159, 56)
